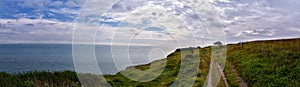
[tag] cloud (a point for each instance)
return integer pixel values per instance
(71, 4)
(126, 5)
(57, 3)
(65, 11)
(32, 4)
(35, 9)
(259, 19)
(152, 22)
(35, 30)
(251, 33)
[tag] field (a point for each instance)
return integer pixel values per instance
(267, 63)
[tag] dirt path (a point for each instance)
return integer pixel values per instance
(222, 74)
(238, 77)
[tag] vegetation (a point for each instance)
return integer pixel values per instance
(267, 63)
(37, 79)
(171, 70)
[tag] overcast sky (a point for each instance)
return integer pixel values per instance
(151, 22)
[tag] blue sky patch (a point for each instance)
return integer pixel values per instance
(154, 28)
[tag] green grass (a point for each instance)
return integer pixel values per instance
(277, 65)
(230, 75)
(170, 72)
(36, 79)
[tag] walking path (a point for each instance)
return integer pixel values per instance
(222, 74)
(238, 77)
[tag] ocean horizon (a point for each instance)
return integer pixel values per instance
(18, 58)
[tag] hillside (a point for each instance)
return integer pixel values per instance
(267, 63)
(258, 63)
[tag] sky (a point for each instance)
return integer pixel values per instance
(148, 22)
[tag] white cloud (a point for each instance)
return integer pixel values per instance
(57, 3)
(32, 4)
(66, 11)
(35, 30)
(71, 3)
(250, 33)
(258, 19)
(240, 19)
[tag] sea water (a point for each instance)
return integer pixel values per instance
(17, 58)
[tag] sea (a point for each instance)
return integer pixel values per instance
(20, 58)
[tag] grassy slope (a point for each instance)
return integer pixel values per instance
(277, 65)
(170, 72)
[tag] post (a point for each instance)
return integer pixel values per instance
(263, 50)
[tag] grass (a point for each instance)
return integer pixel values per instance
(171, 70)
(277, 64)
(35, 79)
